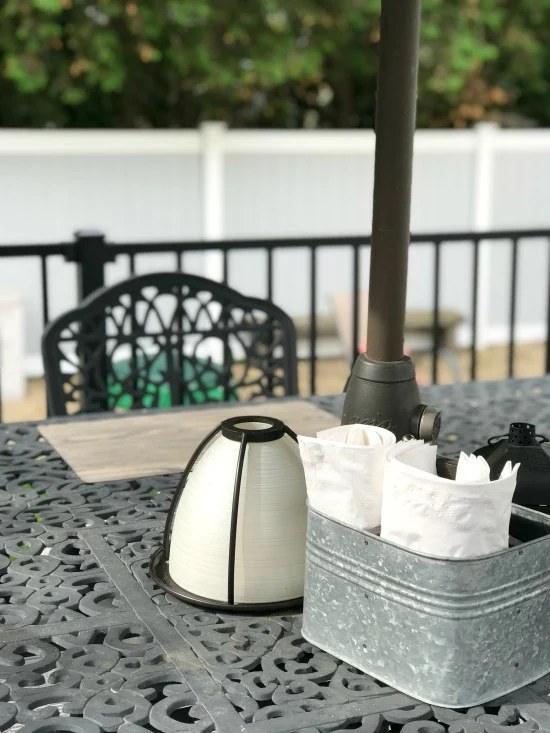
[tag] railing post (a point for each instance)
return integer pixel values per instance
(90, 256)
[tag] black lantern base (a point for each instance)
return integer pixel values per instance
(161, 576)
(522, 445)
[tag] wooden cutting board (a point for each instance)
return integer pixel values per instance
(151, 445)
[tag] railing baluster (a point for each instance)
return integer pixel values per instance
(181, 261)
(225, 272)
(269, 253)
(547, 365)
(313, 322)
(270, 332)
(177, 396)
(355, 311)
(44, 276)
(222, 323)
(475, 288)
(179, 376)
(436, 295)
(513, 298)
(137, 399)
(45, 312)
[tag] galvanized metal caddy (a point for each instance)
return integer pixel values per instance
(452, 633)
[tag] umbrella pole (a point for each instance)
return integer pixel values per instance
(395, 123)
(382, 389)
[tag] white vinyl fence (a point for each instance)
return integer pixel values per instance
(215, 183)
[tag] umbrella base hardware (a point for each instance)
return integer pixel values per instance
(385, 393)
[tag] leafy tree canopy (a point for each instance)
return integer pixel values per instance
(263, 63)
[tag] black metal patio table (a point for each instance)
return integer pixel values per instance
(89, 644)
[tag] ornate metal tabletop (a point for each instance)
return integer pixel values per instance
(88, 644)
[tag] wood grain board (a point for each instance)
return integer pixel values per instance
(134, 446)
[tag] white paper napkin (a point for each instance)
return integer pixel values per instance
(467, 517)
(472, 470)
(344, 468)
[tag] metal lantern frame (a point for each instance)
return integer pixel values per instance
(159, 566)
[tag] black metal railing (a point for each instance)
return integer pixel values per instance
(90, 252)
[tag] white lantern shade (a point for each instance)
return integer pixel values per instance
(236, 530)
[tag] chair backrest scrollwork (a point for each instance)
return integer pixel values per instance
(166, 339)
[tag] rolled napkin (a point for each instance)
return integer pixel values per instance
(344, 468)
(467, 517)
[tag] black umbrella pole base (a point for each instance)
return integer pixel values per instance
(385, 394)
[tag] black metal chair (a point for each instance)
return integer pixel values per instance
(167, 339)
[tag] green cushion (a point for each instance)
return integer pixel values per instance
(157, 393)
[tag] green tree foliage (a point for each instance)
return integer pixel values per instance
(262, 63)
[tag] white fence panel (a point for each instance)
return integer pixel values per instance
(213, 184)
